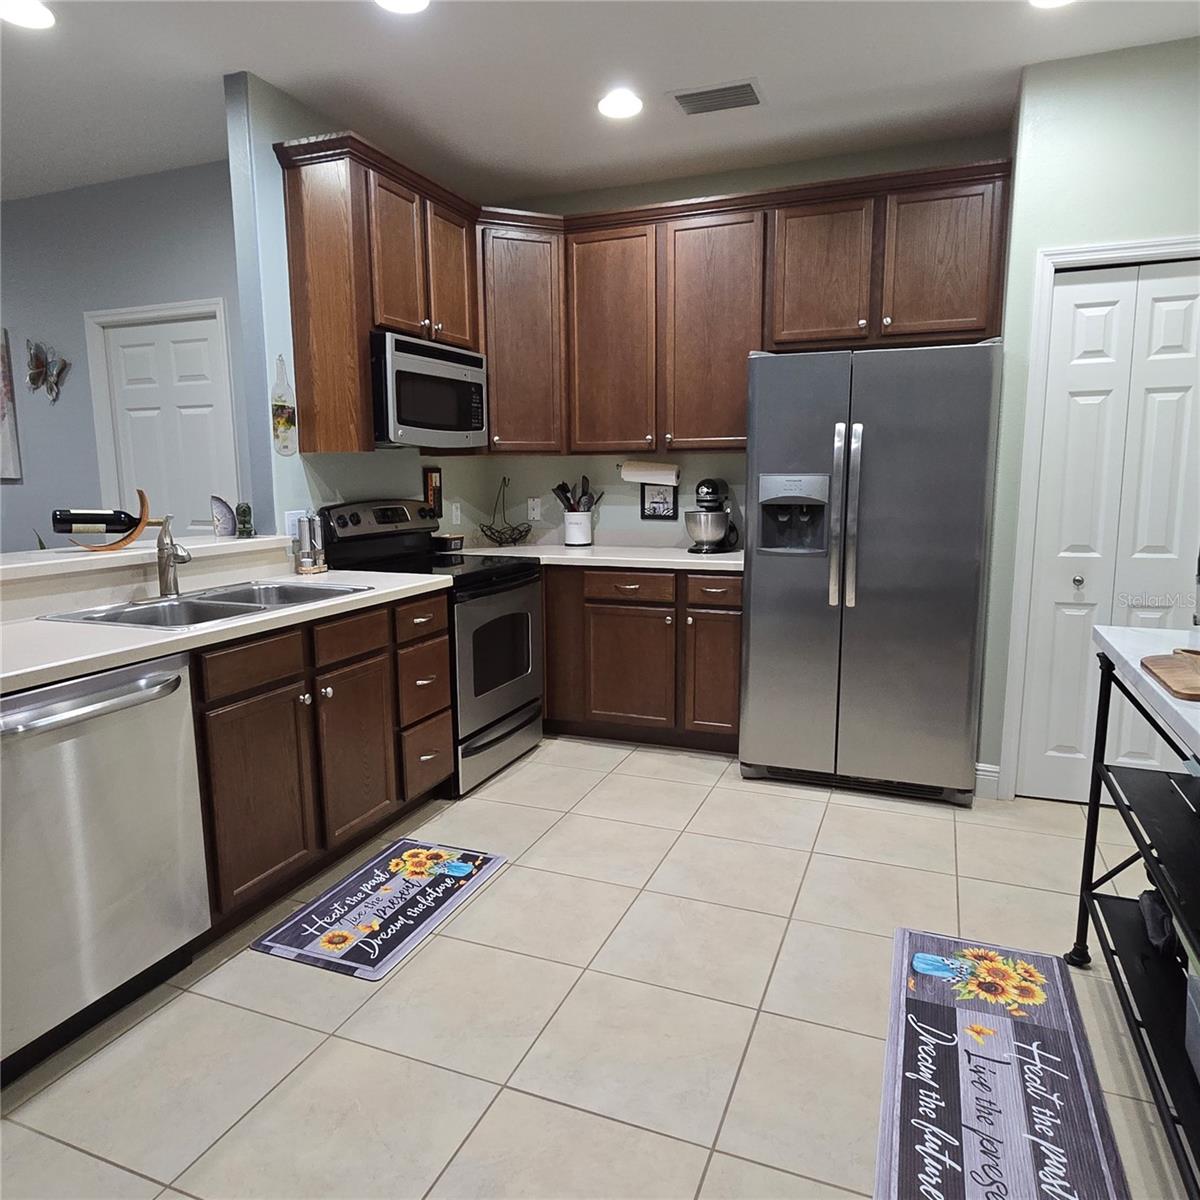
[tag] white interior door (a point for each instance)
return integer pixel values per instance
(1159, 536)
(1075, 542)
(172, 412)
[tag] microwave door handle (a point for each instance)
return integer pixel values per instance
(835, 513)
(852, 490)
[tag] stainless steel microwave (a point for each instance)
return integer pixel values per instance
(427, 394)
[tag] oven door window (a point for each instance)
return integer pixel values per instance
(500, 652)
(434, 402)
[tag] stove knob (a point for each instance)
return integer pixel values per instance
(341, 521)
(355, 519)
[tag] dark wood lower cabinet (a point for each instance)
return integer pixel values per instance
(712, 671)
(356, 723)
(259, 759)
(629, 659)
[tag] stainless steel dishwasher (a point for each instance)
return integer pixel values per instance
(101, 840)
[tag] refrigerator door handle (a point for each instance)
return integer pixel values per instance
(856, 437)
(835, 514)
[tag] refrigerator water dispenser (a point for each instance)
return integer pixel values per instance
(793, 513)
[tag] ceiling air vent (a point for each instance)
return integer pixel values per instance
(716, 99)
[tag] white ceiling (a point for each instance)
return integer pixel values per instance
(497, 98)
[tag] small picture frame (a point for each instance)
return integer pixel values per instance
(660, 502)
(432, 480)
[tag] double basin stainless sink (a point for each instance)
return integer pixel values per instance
(213, 604)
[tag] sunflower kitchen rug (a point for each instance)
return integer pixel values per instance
(366, 923)
(989, 1087)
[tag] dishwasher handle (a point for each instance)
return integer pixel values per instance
(61, 714)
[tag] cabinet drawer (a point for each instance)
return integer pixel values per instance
(348, 637)
(641, 587)
(252, 665)
(423, 672)
(714, 591)
(428, 753)
(420, 619)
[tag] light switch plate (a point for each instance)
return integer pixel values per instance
(291, 520)
(535, 508)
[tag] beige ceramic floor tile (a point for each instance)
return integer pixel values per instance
(773, 818)
(731, 1178)
(1019, 917)
(741, 874)
(232, 943)
(291, 991)
(723, 953)
(1113, 828)
(685, 766)
(1037, 816)
(659, 802)
(1147, 1160)
(1117, 1062)
(588, 753)
(508, 829)
(935, 810)
(544, 914)
(612, 851)
(468, 1007)
(526, 1148)
(412, 820)
(1036, 860)
(351, 1122)
(33, 1167)
(778, 1117)
(540, 785)
(874, 898)
(731, 778)
(901, 839)
(833, 977)
(655, 1058)
(158, 1096)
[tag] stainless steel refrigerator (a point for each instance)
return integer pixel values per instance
(868, 504)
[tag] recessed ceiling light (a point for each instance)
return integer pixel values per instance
(407, 7)
(1051, 3)
(32, 14)
(620, 103)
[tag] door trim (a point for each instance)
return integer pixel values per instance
(95, 325)
(1046, 265)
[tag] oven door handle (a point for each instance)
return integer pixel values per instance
(473, 748)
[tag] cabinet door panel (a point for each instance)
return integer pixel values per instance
(260, 785)
(630, 664)
(938, 246)
(450, 244)
(397, 256)
(821, 271)
(523, 300)
(610, 279)
(713, 671)
(356, 721)
(712, 319)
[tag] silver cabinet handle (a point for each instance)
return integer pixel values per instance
(1077, 581)
(101, 703)
(691, 621)
(669, 437)
(428, 757)
(862, 322)
(649, 438)
(835, 514)
(628, 587)
(426, 682)
(305, 697)
(714, 591)
(437, 327)
(496, 440)
(327, 692)
(423, 620)
(425, 322)
(887, 320)
(670, 620)
(852, 488)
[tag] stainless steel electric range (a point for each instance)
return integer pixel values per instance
(496, 625)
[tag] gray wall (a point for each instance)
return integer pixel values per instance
(153, 239)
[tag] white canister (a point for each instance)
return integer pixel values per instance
(577, 528)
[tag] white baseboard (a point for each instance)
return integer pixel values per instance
(987, 781)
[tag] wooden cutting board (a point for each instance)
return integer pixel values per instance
(1179, 673)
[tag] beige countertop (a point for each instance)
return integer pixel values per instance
(36, 652)
(665, 558)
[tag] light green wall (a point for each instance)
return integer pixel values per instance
(1107, 150)
(753, 179)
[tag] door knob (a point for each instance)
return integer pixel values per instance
(1077, 580)
(670, 620)
(327, 692)
(495, 439)
(305, 698)
(670, 437)
(691, 621)
(887, 320)
(862, 322)
(649, 438)
(437, 328)
(425, 322)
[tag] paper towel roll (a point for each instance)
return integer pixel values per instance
(648, 471)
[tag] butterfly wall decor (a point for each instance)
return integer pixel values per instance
(46, 368)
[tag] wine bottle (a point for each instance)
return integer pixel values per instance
(92, 520)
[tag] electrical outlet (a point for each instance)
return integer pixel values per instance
(291, 521)
(456, 513)
(535, 508)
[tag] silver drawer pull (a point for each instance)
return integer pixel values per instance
(428, 757)
(628, 587)
(426, 682)
(423, 620)
(714, 591)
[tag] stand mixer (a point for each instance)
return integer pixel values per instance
(710, 524)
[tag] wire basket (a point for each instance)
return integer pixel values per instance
(502, 532)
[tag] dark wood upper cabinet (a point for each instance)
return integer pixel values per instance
(710, 319)
(629, 664)
(821, 271)
(258, 755)
(356, 740)
(712, 671)
(450, 247)
(523, 327)
(397, 256)
(939, 271)
(610, 289)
